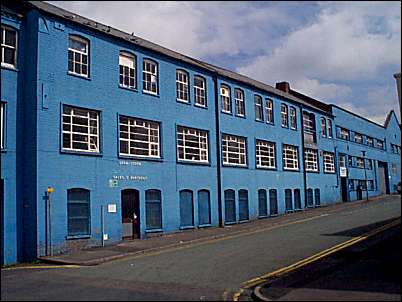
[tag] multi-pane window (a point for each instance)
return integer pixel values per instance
(370, 141)
(192, 145)
(2, 125)
(265, 154)
(258, 108)
(308, 122)
(284, 115)
(358, 138)
(359, 162)
(150, 76)
(78, 56)
(78, 212)
(344, 134)
(323, 127)
(225, 99)
(369, 164)
(311, 160)
(329, 164)
(182, 86)
(370, 185)
(380, 144)
(200, 95)
(290, 157)
(239, 100)
(395, 149)
(342, 161)
(293, 119)
(8, 47)
(329, 128)
(127, 70)
(234, 150)
(80, 129)
(394, 169)
(153, 209)
(269, 111)
(139, 137)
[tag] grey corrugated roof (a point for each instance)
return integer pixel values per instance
(108, 30)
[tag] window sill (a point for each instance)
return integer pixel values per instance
(260, 121)
(79, 76)
(266, 168)
(227, 113)
(154, 231)
(244, 221)
(201, 226)
(200, 106)
(329, 172)
(9, 67)
(128, 88)
(230, 222)
(194, 163)
(183, 102)
(294, 129)
(313, 172)
(150, 93)
(263, 217)
(71, 152)
(290, 170)
(241, 116)
(270, 123)
(235, 166)
(190, 227)
(139, 158)
(76, 237)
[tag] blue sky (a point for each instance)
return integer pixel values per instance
(343, 53)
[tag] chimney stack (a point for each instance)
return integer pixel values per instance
(284, 86)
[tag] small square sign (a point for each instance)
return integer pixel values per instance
(111, 208)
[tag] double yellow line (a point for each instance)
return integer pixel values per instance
(256, 281)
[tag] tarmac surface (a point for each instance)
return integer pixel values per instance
(188, 266)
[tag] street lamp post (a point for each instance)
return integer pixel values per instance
(365, 173)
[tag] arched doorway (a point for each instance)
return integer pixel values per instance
(130, 213)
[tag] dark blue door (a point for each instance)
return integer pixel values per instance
(204, 211)
(186, 208)
(317, 197)
(273, 202)
(297, 199)
(262, 203)
(230, 206)
(310, 201)
(288, 200)
(243, 205)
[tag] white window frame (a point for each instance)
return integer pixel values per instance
(90, 138)
(371, 140)
(311, 160)
(359, 162)
(130, 133)
(265, 153)
(259, 114)
(323, 127)
(360, 136)
(344, 134)
(4, 45)
(3, 125)
(329, 131)
(293, 118)
(81, 55)
(284, 116)
(127, 66)
(290, 157)
(200, 92)
(149, 78)
(225, 99)
(269, 111)
(380, 144)
(329, 162)
(239, 101)
(239, 151)
(182, 86)
(192, 139)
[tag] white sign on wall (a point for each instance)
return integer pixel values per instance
(111, 208)
(343, 171)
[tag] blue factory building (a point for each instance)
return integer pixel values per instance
(106, 136)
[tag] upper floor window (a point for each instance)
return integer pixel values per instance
(78, 56)
(2, 125)
(369, 164)
(329, 163)
(380, 144)
(192, 145)
(139, 137)
(293, 119)
(344, 134)
(80, 129)
(265, 154)
(200, 95)
(258, 108)
(342, 161)
(182, 86)
(269, 111)
(370, 141)
(358, 138)
(323, 127)
(329, 129)
(284, 115)
(234, 150)
(225, 99)
(150, 76)
(359, 162)
(239, 100)
(309, 128)
(127, 67)
(311, 160)
(290, 157)
(8, 47)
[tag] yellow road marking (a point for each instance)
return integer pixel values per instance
(255, 281)
(39, 267)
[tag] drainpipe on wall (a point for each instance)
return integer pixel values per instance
(218, 150)
(302, 156)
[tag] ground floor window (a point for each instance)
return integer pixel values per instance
(153, 209)
(262, 203)
(288, 200)
(243, 205)
(310, 198)
(78, 212)
(230, 206)
(186, 208)
(204, 207)
(273, 202)
(297, 199)
(317, 197)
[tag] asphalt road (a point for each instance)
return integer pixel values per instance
(202, 271)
